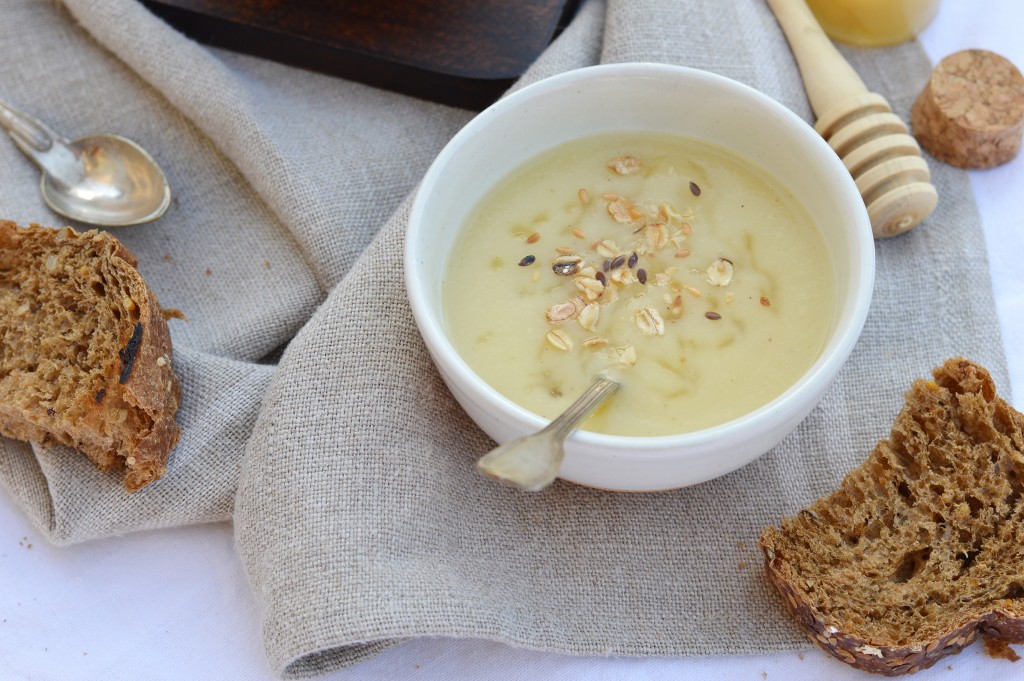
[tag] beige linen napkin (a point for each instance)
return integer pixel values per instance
(357, 513)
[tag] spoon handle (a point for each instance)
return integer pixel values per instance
(531, 463)
(25, 129)
(601, 388)
(49, 150)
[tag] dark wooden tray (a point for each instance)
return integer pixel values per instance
(459, 52)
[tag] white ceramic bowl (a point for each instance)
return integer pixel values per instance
(641, 97)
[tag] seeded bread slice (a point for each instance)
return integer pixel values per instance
(86, 354)
(921, 549)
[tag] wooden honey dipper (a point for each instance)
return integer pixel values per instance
(884, 160)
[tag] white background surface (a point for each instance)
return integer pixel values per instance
(175, 604)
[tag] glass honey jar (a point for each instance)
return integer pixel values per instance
(873, 23)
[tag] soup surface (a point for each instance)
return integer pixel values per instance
(681, 270)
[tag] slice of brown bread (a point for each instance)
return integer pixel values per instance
(86, 355)
(921, 549)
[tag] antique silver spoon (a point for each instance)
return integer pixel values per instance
(102, 179)
(531, 462)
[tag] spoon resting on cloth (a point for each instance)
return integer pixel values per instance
(101, 180)
(531, 462)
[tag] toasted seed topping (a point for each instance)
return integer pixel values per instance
(610, 295)
(623, 211)
(656, 234)
(626, 355)
(559, 340)
(658, 228)
(669, 213)
(719, 273)
(590, 288)
(606, 248)
(560, 312)
(566, 265)
(765, 301)
(675, 309)
(622, 276)
(589, 315)
(624, 165)
(649, 321)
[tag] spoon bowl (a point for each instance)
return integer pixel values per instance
(120, 184)
(101, 180)
(531, 462)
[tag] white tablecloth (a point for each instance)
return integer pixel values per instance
(175, 604)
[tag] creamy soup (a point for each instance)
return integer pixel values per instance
(686, 273)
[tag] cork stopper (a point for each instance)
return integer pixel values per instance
(971, 112)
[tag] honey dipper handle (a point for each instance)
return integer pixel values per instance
(828, 77)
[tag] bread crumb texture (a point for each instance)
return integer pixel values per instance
(86, 356)
(921, 549)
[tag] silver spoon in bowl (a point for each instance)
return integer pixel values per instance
(101, 179)
(531, 462)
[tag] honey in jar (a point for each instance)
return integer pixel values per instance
(873, 23)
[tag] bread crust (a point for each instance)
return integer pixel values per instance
(141, 387)
(880, 657)
(1001, 618)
